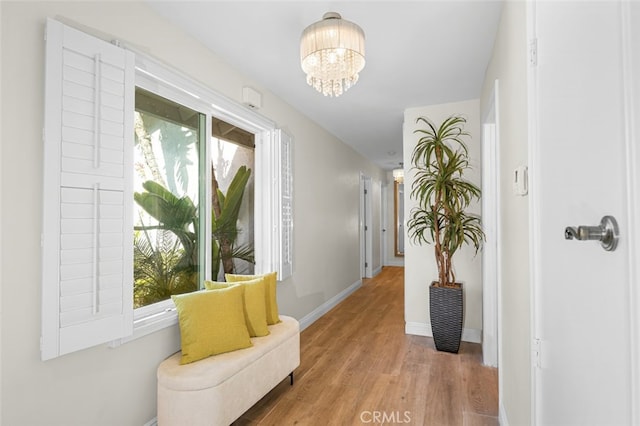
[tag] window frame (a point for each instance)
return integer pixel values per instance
(160, 79)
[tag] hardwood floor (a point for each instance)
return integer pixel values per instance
(359, 367)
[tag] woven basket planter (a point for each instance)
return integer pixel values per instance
(447, 316)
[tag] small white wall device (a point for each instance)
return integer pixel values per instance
(521, 180)
(251, 97)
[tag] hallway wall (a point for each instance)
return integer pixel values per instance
(101, 385)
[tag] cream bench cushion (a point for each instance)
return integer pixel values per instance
(219, 389)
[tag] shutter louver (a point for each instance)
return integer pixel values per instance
(87, 268)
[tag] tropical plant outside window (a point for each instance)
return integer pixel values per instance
(232, 162)
(167, 246)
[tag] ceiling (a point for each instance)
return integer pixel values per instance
(418, 53)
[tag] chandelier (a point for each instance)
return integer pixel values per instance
(332, 54)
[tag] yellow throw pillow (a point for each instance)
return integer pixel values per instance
(216, 285)
(211, 322)
(270, 293)
(255, 311)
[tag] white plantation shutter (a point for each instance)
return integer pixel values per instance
(87, 250)
(284, 204)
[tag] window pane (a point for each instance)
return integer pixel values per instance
(166, 193)
(232, 158)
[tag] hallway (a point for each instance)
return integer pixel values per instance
(359, 367)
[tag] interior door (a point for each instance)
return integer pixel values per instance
(582, 309)
(368, 228)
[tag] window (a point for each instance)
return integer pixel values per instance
(106, 109)
(166, 214)
(232, 172)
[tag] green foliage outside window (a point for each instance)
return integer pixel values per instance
(168, 189)
(168, 264)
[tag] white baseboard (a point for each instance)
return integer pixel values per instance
(394, 263)
(152, 422)
(377, 271)
(422, 329)
(502, 416)
(314, 315)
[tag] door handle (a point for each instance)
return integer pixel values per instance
(607, 233)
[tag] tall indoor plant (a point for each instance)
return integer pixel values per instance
(440, 160)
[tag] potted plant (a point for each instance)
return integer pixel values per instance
(440, 159)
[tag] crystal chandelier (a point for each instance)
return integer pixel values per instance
(332, 54)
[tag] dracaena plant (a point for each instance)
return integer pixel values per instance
(440, 160)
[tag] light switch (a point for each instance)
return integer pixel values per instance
(521, 180)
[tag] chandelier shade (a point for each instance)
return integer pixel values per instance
(332, 54)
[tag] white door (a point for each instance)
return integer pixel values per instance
(585, 298)
(384, 225)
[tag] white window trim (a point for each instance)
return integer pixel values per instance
(149, 319)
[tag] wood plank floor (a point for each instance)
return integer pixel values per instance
(359, 367)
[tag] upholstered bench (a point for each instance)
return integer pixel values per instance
(219, 389)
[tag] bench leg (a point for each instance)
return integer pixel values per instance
(291, 378)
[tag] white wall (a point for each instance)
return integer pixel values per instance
(102, 386)
(420, 267)
(509, 65)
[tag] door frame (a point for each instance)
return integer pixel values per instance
(491, 259)
(631, 96)
(534, 216)
(384, 222)
(366, 213)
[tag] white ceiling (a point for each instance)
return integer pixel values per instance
(417, 53)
